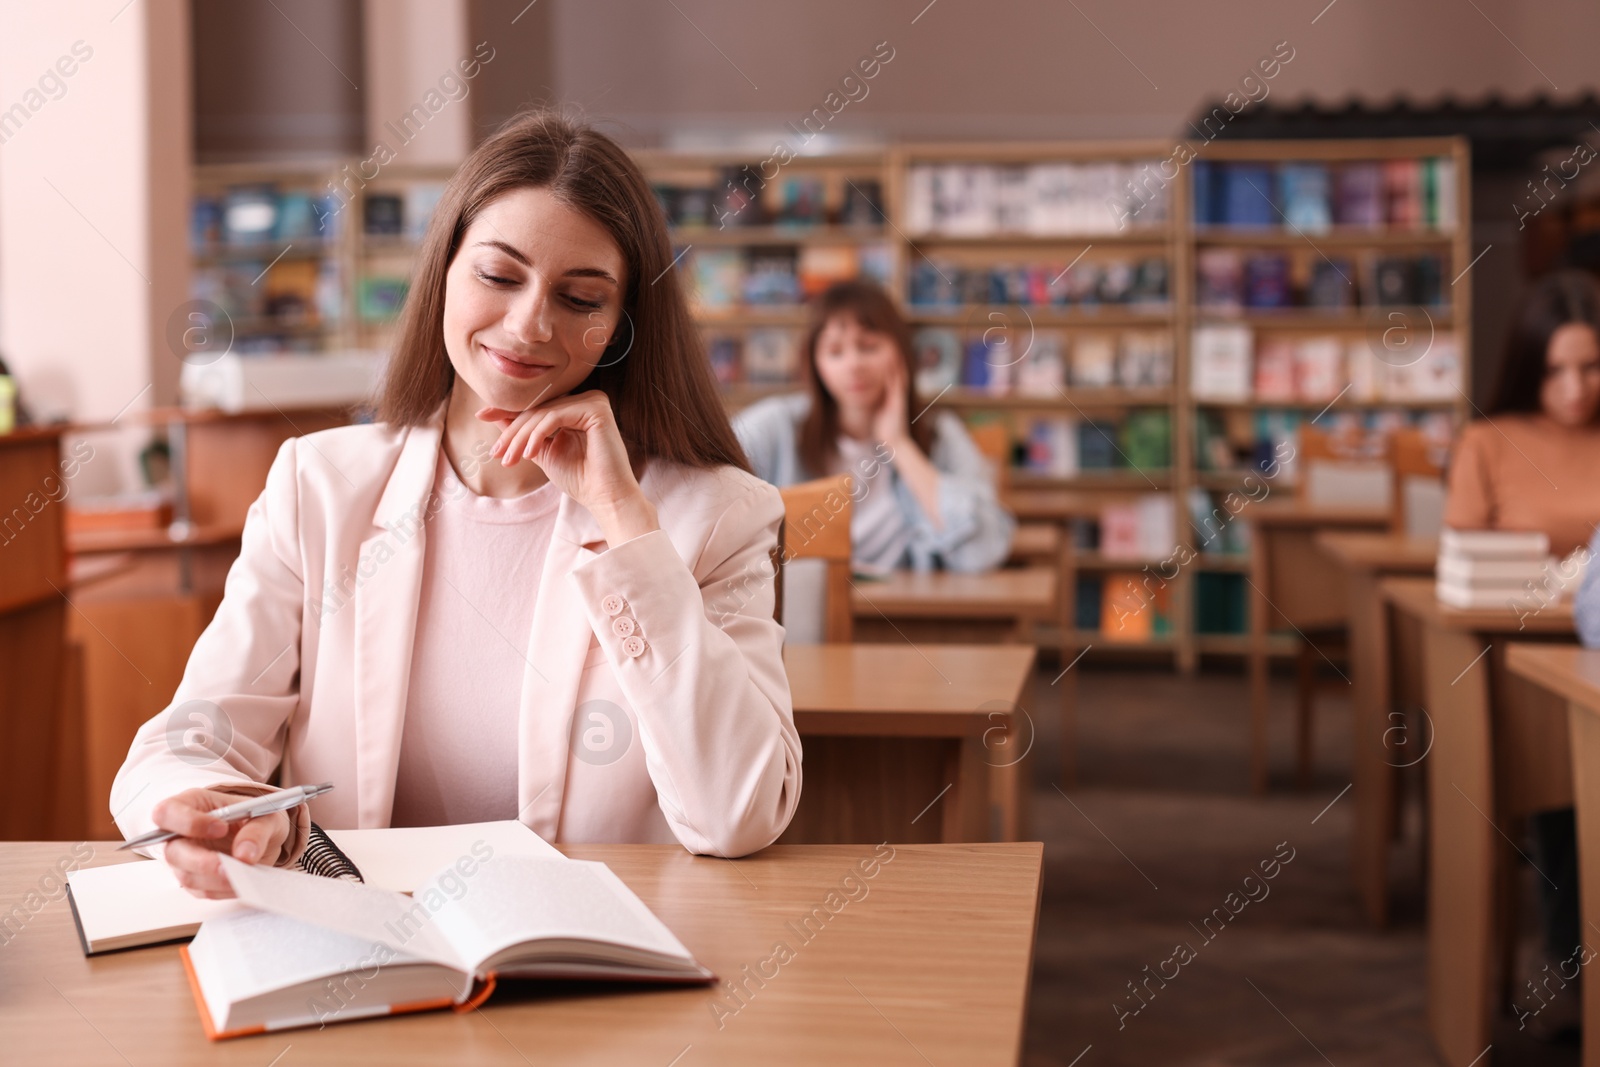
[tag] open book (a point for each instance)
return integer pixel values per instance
(310, 950)
(127, 905)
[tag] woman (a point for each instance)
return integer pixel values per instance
(923, 494)
(1531, 466)
(490, 603)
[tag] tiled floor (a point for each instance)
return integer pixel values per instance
(1157, 833)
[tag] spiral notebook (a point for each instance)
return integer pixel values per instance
(128, 905)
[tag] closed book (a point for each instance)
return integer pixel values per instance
(1510, 596)
(1248, 195)
(1097, 449)
(1094, 361)
(1469, 572)
(1219, 278)
(938, 359)
(1402, 190)
(1275, 370)
(1305, 194)
(771, 356)
(1319, 368)
(1266, 281)
(1221, 362)
(1126, 608)
(1146, 439)
(1119, 532)
(1494, 544)
(1359, 199)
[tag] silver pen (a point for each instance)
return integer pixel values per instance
(249, 808)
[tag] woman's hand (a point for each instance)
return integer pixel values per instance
(890, 423)
(193, 856)
(575, 441)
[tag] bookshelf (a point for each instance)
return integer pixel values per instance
(952, 274)
(308, 256)
(1026, 251)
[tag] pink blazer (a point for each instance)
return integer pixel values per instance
(306, 664)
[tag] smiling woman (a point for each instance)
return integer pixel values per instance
(497, 605)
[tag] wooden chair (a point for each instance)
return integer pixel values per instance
(816, 525)
(1418, 500)
(1323, 453)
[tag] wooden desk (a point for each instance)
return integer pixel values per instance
(890, 729)
(1500, 751)
(932, 963)
(1366, 557)
(40, 698)
(999, 606)
(1573, 674)
(1292, 584)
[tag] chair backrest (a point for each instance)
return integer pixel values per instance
(816, 525)
(993, 439)
(1418, 464)
(1336, 473)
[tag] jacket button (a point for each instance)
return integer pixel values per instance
(622, 626)
(634, 646)
(612, 604)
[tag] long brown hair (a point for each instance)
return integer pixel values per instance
(654, 370)
(872, 309)
(1556, 300)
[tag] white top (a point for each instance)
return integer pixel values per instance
(482, 558)
(880, 533)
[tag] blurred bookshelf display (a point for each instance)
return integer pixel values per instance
(1150, 333)
(308, 257)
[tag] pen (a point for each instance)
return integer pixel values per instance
(250, 808)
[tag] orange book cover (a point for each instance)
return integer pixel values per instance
(479, 995)
(1127, 608)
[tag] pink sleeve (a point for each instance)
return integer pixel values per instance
(711, 692)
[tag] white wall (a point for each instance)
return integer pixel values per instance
(94, 191)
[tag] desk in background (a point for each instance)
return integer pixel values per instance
(1500, 752)
(1382, 661)
(1573, 674)
(137, 620)
(1291, 582)
(910, 744)
(934, 958)
(40, 698)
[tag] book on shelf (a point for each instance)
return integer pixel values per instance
(820, 266)
(1221, 362)
(1333, 284)
(383, 215)
(1305, 192)
(475, 921)
(1266, 281)
(1219, 277)
(1220, 604)
(771, 276)
(129, 905)
(726, 352)
(1121, 282)
(771, 356)
(1050, 447)
(421, 200)
(1144, 360)
(250, 214)
(1274, 372)
(1313, 197)
(1146, 439)
(938, 359)
(718, 277)
(1094, 361)
(1134, 608)
(1097, 445)
(1141, 528)
(863, 203)
(1039, 199)
(379, 298)
(1319, 368)
(1043, 371)
(802, 201)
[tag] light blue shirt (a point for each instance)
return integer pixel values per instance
(974, 532)
(1586, 605)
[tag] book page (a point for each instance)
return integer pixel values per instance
(265, 952)
(402, 858)
(510, 900)
(360, 911)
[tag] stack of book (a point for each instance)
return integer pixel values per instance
(1491, 568)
